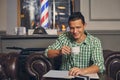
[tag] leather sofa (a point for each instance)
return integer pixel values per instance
(8, 66)
(35, 65)
(112, 64)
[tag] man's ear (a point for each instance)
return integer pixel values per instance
(85, 25)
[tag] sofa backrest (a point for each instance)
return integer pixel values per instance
(112, 64)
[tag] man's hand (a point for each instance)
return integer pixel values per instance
(65, 50)
(76, 71)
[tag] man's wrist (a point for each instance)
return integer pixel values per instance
(85, 71)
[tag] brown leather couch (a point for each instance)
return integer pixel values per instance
(36, 65)
(112, 64)
(8, 66)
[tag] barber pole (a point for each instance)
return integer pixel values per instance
(44, 21)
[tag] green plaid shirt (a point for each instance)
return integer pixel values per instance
(90, 52)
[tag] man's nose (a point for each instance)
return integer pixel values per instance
(75, 30)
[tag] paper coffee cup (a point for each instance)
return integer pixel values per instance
(75, 50)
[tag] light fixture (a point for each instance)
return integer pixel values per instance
(61, 13)
(61, 7)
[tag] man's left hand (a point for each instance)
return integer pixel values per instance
(76, 71)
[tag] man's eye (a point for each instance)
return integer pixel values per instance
(71, 28)
(78, 27)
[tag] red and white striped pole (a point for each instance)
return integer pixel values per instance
(44, 21)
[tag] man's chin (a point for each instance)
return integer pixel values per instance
(76, 38)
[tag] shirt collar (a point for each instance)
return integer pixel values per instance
(86, 41)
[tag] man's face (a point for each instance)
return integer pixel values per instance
(77, 29)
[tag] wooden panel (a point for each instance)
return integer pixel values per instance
(101, 14)
(105, 10)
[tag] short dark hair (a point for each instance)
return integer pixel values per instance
(75, 16)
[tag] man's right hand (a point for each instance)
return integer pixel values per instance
(65, 50)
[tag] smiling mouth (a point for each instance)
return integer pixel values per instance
(75, 34)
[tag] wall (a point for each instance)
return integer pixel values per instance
(11, 16)
(110, 39)
(8, 15)
(3, 15)
(101, 14)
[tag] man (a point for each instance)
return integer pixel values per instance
(89, 59)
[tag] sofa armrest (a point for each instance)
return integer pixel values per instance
(118, 75)
(112, 64)
(8, 65)
(37, 65)
(12, 65)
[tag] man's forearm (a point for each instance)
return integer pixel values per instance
(75, 71)
(53, 53)
(91, 69)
